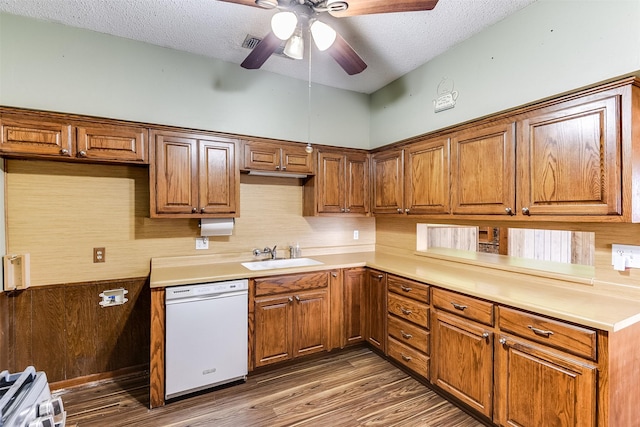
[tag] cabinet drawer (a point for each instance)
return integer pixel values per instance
(408, 288)
(564, 336)
(408, 333)
(409, 357)
(408, 309)
(462, 305)
(293, 282)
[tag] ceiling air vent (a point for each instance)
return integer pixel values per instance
(252, 41)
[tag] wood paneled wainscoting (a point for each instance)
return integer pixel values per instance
(63, 331)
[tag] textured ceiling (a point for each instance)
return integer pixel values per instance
(391, 44)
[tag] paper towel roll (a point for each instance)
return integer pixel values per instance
(216, 226)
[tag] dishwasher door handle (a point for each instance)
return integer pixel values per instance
(196, 298)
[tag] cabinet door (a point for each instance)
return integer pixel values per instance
(357, 184)
(462, 357)
(174, 174)
(331, 182)
(273, 329)
(218, 177)
(261, 156)
(112, 143)
(35, 135)
(536, 387)
(427, 189)
(387, 177)
(483, 170)
(570, 160)
(354, 305)
(310, 322)
(376, 309)
(296, 159)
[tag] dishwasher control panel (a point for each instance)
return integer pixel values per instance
(202, 289)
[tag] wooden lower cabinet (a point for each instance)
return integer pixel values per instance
(290, 317)
(376, 309)
(537, 387)
(353, 306)
(462, 360)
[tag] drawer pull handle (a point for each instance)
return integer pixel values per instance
(405, 358)
(540, 332)
(406, 288)
(458, 306)
(405, 311)
(405, 335)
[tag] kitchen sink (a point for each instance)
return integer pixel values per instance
(271, 264)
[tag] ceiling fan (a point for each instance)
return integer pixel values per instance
(296, 17)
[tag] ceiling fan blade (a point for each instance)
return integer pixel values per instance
(368, 7)
(261, 52)
(346, 56)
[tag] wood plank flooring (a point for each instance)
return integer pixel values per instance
(352, 388)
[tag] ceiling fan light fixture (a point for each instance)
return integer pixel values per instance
(267, 4)
(283, 24)
(294, 48)
(323, 35)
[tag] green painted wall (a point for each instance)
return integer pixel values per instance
(50, 66)
(547, 48)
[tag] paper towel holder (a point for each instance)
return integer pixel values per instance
(216, 226)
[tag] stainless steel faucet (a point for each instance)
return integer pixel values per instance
(273, 253)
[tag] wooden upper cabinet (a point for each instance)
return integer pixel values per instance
(341, 185)
(272, 157)
(483, 170)
(112, 142)
(52, 136)
(387, 169)
(427, 177)
(569, 158)
(34, 135)
(193, 176)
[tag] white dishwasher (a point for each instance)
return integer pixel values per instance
(206, 336)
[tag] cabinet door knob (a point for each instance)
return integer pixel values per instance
(64, 151)
(503, 341)
(509, 211)
(485, 335)
(525, 211)
(284, 168)
(278, 167)
(342, 210)
(348, 210)
(201, 210)
(82, 153)
(406, 210)
(297, 298)
(458, 306)
(399, 210)
(380, 276)
(334, 274)
(290, 299)
(194, 210)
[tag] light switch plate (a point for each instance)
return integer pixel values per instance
(202, 242)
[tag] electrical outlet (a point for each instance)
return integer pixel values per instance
(99, 254)
(202, 242)
(356, 235)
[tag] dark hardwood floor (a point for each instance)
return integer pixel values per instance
(351, 388)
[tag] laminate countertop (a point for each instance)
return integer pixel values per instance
(570, 300)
